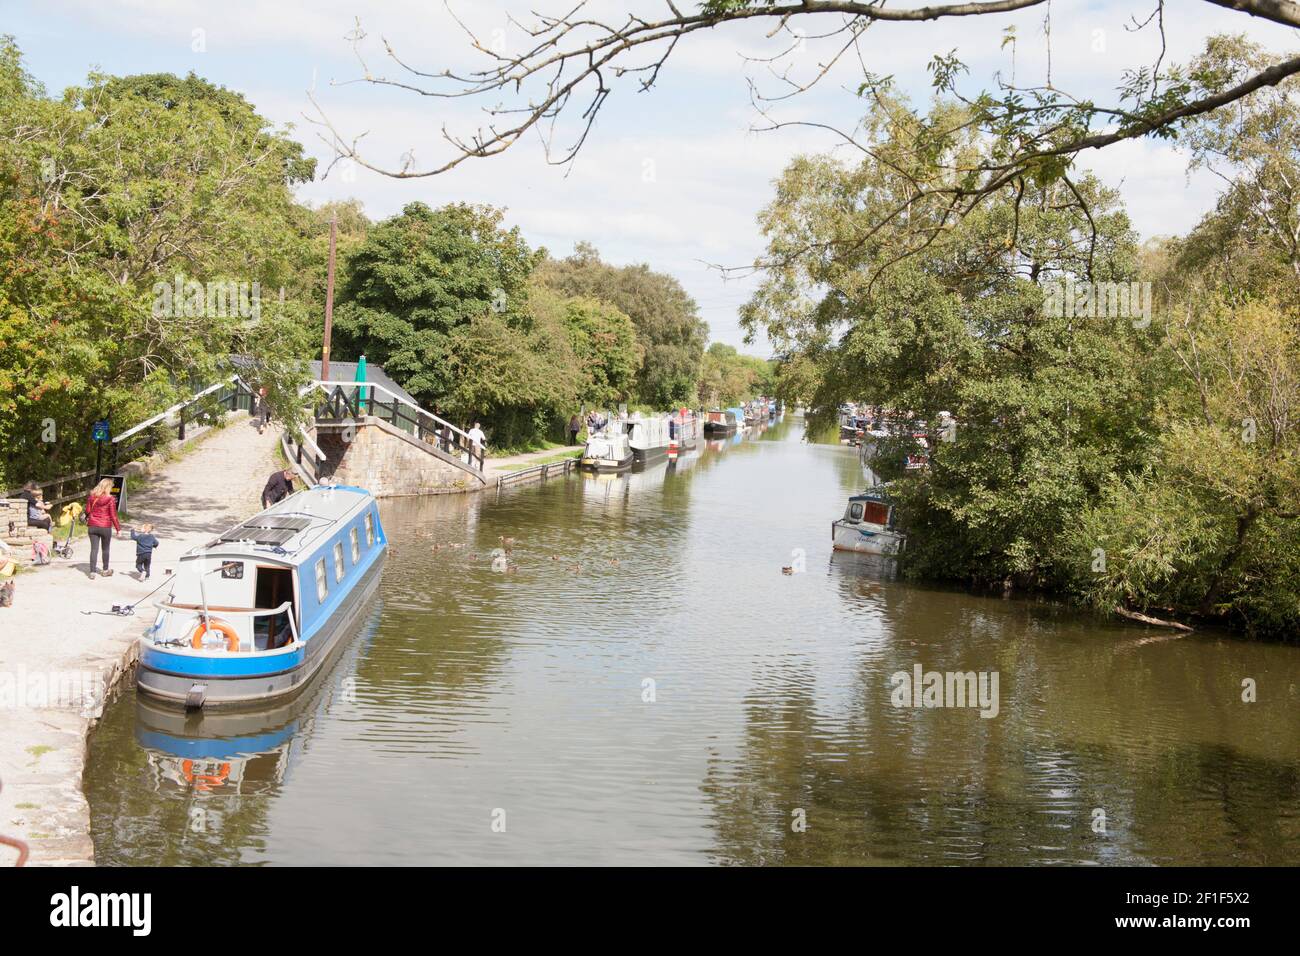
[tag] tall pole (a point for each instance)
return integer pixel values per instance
(329, 305)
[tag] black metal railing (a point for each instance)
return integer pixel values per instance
(341, 403)
(145, 438)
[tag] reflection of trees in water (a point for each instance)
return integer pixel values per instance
(1084, 724)
(1201, 806)
(451, 622)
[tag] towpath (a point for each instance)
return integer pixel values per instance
(494, 467)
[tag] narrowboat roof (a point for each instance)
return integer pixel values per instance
(869, 496)
(289, 528)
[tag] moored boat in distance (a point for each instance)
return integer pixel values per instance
(684, 429)
(649, 439)
(719, 422)
(608, 451)
(252, 615)
(739, 415)
(867, 526)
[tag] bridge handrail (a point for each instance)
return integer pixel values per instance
(163, 415)
(325, 386)
(464, 444)
(146, 442)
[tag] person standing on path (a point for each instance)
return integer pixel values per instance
(263, 416)
(477, 438)
(575, 426)
(278, 487)
(145, 542)
(101, 522)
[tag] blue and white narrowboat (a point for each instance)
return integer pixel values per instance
(253, 614)
(738, 414)
(867, 526)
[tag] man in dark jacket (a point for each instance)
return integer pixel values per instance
(278, 487)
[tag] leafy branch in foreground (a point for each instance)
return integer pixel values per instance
(572, 62)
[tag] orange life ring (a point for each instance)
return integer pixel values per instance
(205, 781)
(214, 624)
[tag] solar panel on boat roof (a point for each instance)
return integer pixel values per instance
(260, 535)
(277, 521)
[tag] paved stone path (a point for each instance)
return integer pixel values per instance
(50, 646)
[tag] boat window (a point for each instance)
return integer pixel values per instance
(338, 561)
(855, 511)
(370, 529)
(322, 585)
(356, 547)
(877, 512)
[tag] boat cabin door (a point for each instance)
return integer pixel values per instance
(274, 586)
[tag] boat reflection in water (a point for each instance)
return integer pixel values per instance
(238, 753)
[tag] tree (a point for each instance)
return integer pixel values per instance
(729, 378)
(447, 301)
(1046, 403)
(130, 209)
(668, 327)
(603, 340)
(1208, 527)
(419, 277)
(1252, 240)
(510, 377)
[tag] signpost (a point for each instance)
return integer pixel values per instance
(100, 432)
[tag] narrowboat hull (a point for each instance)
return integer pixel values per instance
(719, 428)
(171, 678)
(865, 538)
(645, 457)
(606, 466)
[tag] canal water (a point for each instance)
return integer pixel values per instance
(648, 687)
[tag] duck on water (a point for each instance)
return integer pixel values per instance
(253, 614)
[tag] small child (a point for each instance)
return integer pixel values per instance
(145, 542)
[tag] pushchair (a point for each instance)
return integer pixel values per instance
(67, 517)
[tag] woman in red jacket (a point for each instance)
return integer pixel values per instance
(101, 521)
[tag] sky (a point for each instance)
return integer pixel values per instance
(673, 177)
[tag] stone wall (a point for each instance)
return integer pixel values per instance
(14, 531)
(389, 462)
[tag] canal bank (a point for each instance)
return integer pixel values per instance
(64, 649)
(648, 686)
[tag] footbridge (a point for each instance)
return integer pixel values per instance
(364, 434)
